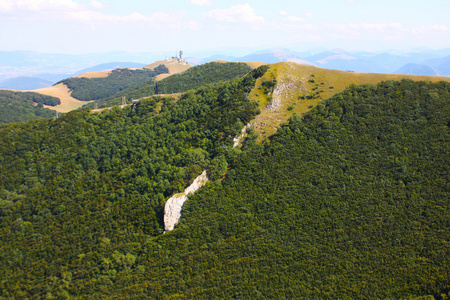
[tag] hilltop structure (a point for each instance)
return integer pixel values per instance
(178, 58)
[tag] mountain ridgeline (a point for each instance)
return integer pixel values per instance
(87, 89)
(192, 78)
(350, 200)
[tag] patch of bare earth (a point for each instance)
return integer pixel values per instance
(61, 91)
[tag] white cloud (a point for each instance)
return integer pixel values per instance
(201, 2)
(309, 14)
(194, 25)
(37, 5)
(283, 13)
(97, 4)
(156, 20)
(241, 13)
(442, 28)
(6, 5)
(294, 19)
(90, 15)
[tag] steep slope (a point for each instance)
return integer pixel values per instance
(89, 189)
(349, 200)
(298, 88)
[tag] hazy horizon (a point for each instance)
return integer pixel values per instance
(196, 26)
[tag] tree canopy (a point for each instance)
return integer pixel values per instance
(25, 106)
(193, 78)
(86, 89)
(350, 200)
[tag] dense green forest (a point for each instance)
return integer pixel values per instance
(200, 76)
(89, 189)
(350, 200)
(25, 106)
(87, 89)
(192, 78)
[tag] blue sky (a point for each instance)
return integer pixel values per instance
(85, 26)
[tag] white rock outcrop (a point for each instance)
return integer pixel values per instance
(241, 137)
(172, 209)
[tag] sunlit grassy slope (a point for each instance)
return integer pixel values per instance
(300, 87)
(173, 65)
(61, 91)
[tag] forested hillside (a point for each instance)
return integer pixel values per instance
(192, 78)
(201, 75)
(89, 189)
(87, 89)
(350, 201)
(24, 106)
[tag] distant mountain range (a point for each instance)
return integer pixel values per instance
(38, 81)
(414, 63)
(56, 66)
(417, 69)
(25, 83)
(25, 70)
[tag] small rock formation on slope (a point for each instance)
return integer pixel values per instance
(172, 209)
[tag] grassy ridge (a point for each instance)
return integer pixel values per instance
(302, 87)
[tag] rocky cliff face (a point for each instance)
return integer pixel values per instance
(172, 209)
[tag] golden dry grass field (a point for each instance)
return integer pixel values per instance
(61, 91)
(173, 66)
(98, 74)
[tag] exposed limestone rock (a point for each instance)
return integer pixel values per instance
(237, 140)
(279, 94)
(172, 209)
